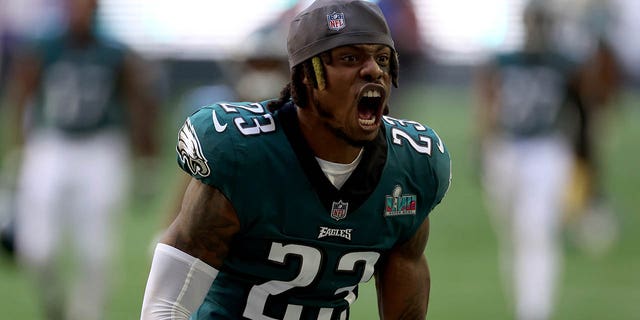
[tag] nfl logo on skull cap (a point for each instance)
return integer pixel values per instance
(339, 210)
(335, 21)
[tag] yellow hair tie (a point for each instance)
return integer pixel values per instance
(317, 68)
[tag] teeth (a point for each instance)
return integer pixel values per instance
(372, 94)
(368, 122)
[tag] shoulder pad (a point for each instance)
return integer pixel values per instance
(208, 140)
(422, 146)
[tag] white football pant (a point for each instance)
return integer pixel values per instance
(525, 181)
(71, 189)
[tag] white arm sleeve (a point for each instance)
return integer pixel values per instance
(177, 284)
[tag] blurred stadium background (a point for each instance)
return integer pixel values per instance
(194, 44)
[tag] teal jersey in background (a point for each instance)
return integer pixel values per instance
(304, 246)
(533, 92)
(80, 85)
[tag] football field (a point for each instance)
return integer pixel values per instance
(462, 249)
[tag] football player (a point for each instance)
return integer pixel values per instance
(528, 107)
(90, 104)
(294, 202)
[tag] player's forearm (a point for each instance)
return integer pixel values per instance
(143, 106)
(403, 291)
(23, 83)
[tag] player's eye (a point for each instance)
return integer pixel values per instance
(383, 60)
(349, 58)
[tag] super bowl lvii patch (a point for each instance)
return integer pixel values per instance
(398, 204)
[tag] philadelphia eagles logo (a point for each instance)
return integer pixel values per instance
(190, 151)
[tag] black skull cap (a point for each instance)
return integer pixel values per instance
(328, 24)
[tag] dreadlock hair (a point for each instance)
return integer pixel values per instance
(296, 90)
(314, 69)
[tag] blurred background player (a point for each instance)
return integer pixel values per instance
(80, 102)
(589, 29)
(264, 68)
(257, 71)
(528, 117)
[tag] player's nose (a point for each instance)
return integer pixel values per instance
(371, 70)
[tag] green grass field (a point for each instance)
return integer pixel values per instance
(462, 249)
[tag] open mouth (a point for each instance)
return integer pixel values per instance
(370, 106)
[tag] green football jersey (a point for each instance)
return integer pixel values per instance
(533, 92)
(79, 89)
(304, 246)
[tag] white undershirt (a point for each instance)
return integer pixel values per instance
(338, 173)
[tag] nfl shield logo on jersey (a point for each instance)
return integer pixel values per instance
(335, 20)
(339, 210)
